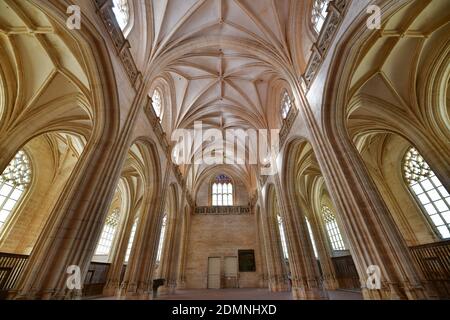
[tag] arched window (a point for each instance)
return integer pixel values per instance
(161, 238)
(131, 239)
(109, 230)
(319, 14)
(14, 182)
(121, 10)
(222, 191)
(428, 190)
(286, 105)
(312, 238)
(156, 103)
(334, 234)
(282, 237)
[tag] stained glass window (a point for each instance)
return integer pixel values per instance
(334, 234)
(222, 191)
(428, 190)
(14, 181)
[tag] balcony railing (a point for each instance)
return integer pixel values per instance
(336, 13)
(346, 273)
(104, 9)
(287, 124)
(434, 261)
(11, 266)
(223, 210)
(95, 279)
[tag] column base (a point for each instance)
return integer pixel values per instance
(331, 284)
(308, 294)
(395, 292)
(181, 284)
(277, 286)
(133, 291)
(111, 289)
(75, 294)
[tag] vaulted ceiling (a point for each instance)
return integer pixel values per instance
(396, 84)
(225, 60)
(219, 54)
(44, 73)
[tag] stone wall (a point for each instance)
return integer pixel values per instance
(221, 236)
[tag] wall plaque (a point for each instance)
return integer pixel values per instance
(247, 260)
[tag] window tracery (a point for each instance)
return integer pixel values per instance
(14, 182)
(431, 195)
(222, 191)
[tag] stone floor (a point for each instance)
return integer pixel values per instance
(243, 294)
(249, 294)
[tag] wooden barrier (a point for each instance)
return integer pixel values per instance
(434, 261)
(11, 265)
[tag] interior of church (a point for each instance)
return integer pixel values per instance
(225, 149)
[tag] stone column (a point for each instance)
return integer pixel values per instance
(306, 280)
(330, 281)
(71, 233)
(261, 251)
(112, 287)
(181, 279)
(373, 236)
(275, 266)
(168, 255)
(174, 254)
(138, 279)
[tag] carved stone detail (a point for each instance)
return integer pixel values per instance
(336, 12)
(223, 210)
(104, 9)
(162, 139)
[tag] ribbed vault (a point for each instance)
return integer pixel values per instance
(221, 59)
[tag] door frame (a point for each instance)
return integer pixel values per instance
(220, 272)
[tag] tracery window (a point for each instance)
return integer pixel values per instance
(282, 237)
(222, 191)
(428, 190)
(109, 230)
(156, 103)
(334, 234)
(131, 239)
(14, 182)
(286, 105)
(121, 10)
(312, 238)
(319, 14)
(161, 238)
